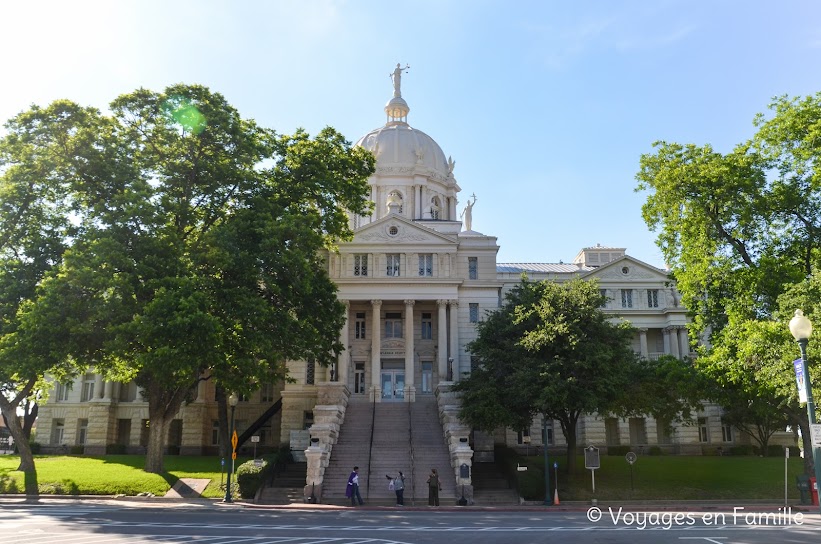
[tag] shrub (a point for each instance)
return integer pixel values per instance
(742, 450)
(531, 484)
(115, 449)
(655, 450)
(77, 450)
(619, 451)
(35, 447)
(250, 478)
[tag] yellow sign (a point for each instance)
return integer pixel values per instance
(234, 455)
(234, 440)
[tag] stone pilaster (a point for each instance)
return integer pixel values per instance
(195, 428)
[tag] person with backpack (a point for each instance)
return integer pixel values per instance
(434, 487)
(398, 486)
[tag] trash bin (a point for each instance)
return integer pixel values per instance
(814, 490)
(802, 481)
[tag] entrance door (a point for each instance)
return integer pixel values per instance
(393, 385)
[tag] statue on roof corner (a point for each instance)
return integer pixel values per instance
(396, 76)
(467, 213)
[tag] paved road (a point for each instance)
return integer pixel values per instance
(101, 522)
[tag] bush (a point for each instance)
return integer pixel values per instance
(742, 450)
(619, 451)
(531, 484)
(77, 450)
(655, 450)
(115, 449)
(250, 478)
(35, 447)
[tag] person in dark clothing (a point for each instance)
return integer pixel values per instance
(352, 490)
(398, 487)
(434, 486)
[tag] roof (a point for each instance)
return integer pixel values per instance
(514, 268)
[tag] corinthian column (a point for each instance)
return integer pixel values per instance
(454, 337)
(376, 348)
(442, 339)
(342, 360)
(409, 350)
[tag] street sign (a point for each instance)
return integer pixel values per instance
(631, 457)
(815, 434)
(234, 439)
(255, 439)
(591, 457)
(234, 456)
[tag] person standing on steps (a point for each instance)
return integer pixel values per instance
(352, 490)
(434, 487)
(398, 487)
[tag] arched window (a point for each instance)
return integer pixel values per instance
(435, 208)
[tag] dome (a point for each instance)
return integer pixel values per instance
(403, 150)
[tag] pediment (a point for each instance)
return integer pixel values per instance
(395, 229)
(628, 268)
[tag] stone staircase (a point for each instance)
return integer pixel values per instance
(351, 449)
(430, 451)
(490, 486)
(287, 486)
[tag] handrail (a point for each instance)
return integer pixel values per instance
(370, 447)
(412, 463)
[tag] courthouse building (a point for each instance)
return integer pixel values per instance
(416, 279)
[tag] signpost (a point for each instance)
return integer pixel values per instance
(255, 441)
(592, 462)
(631, 458)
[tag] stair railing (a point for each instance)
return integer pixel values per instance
(370, 446)
(412, 463)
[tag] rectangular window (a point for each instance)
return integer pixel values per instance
(473, 268)
(393, 264)
(474, 312)
(266, 392)
(427, 326)
(703, 430)
(88, 388)
(215, 432)
(611, 431)
(124, 432)
(360, 265)
(726, 432)
(359, 326)
(57, 431)
(82, 431)
(426, 265)
(62, 391)
(547, 429)
(638, 430)
(652, 298)
(523, 437)
(393, 325)
(474, 362)
(427, 377)
(603, 293)
(310, 372)
(626, 298)
(359, 378)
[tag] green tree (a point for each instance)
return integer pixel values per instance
(41, 157)
(197, 252)
(551, 350)
(741, 230)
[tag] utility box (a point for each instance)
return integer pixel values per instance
(802, 481)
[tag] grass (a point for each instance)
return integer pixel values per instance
(654, 478)
(679, 478)
(110, 474)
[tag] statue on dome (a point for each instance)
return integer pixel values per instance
(396, 76)
(467, 213)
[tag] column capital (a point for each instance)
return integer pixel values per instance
(442, 302)
(376, 303)
(347, 303)
(453, 302)
(643, 330)
(410, 302)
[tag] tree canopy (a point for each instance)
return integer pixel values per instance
(551, 350)
(196, 252)
(742, 232)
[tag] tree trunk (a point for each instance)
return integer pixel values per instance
(568, 422)
(9, 411)
(162, 407)
(29, 417)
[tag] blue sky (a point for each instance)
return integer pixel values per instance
(546, 106)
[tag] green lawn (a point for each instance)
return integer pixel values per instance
(679, 478)
(654, 478)
(110, 474)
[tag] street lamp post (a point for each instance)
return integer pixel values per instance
(232, 401)
(801, 329)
